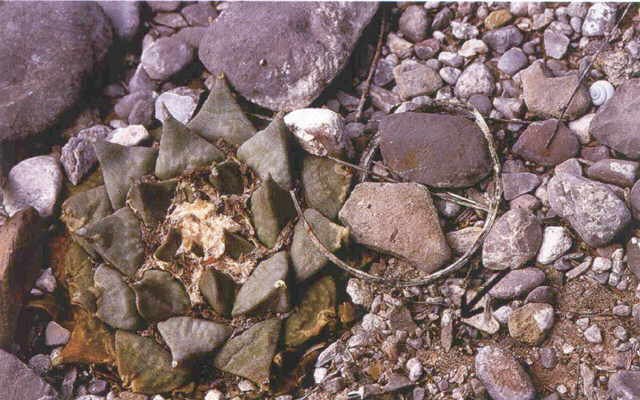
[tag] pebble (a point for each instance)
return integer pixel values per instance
(601, 264)
(621, 310)
(414, 23)
(426, 49)
(531, 322)
(56, 335)
(517, 283)
(415, 79)
(214, 394)
(451, 59)
(165, 57)
(319, 131)
(46, 281)
(180, 102)
(98, 387)
(624, 385)
(497, 18)
(463, 30)
(35, 182)
(502, 375)
(548, 357)
(555, 44)
(531, 145)
(450, 75)
(593, 334)
(502, 39)
(414, 366)
(475, 79)
(360, 292)
(513, 240)
(512, 61)
(592, 208)
(132, 135)
(556, 241)
(600, 18)
(472, 47)
(580, 127)
(399, 46)
(519, 183)
(78, 156)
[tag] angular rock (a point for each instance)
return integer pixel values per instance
(145, 367)
(397, 218)
(271, 209)
(181, 150)
(160, 296)
(250, 354)
(131, 135)
(624, 385)
(517, 283)
(252, 44)
(265, 286)
(415, 79)
(317, 309)
(116, 238)
(35, 182)
(475, 79)
(531, 144)
(555, 44)
(420, 148)
(502, 375)
(116, 302)
(592, 208)
(165, 57)
(613, 124)
(502, 39)
(414, 23)
(513, 240)
(319, 131)
(41, 80)
(512, 61)
(151, 200)
(599, 20)
(536, 87)
(19, 382)
(306, 258)
(267, 153)
(121, 166)
(180, 103)
(77, 155)
(189, 337)
(325, 184)
(124, 16)
(218, 290)
(220, 117)
(531, 323)
(617, 172)
(555, 242)
(461, 240)
(20, 261)
(518, 183)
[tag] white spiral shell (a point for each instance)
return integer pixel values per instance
(601, 92)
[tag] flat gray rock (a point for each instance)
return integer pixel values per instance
(624, 385)
(282, 55)
(517, 283)
(592, 208)
(502, 375)
(19, 382)
(513, 240)
(47, 53)
(615, 124)
(35, 182)
(397, 218)
(421, 148)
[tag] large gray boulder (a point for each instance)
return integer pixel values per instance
(421, 147)
(282, 55)
(19, 382)
(616, 123)
(47, 53)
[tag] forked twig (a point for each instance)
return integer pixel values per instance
(584, 74)
(451, 268)
(373, 66)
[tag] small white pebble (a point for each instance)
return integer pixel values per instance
(593, 334)
(46, 281)
(214, 394)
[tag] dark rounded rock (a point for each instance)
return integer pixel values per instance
(282, 55)
(47, 53)
(420, 147)
(531, 144)
(502, 375)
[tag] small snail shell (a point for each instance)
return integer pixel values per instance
(601, 92)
